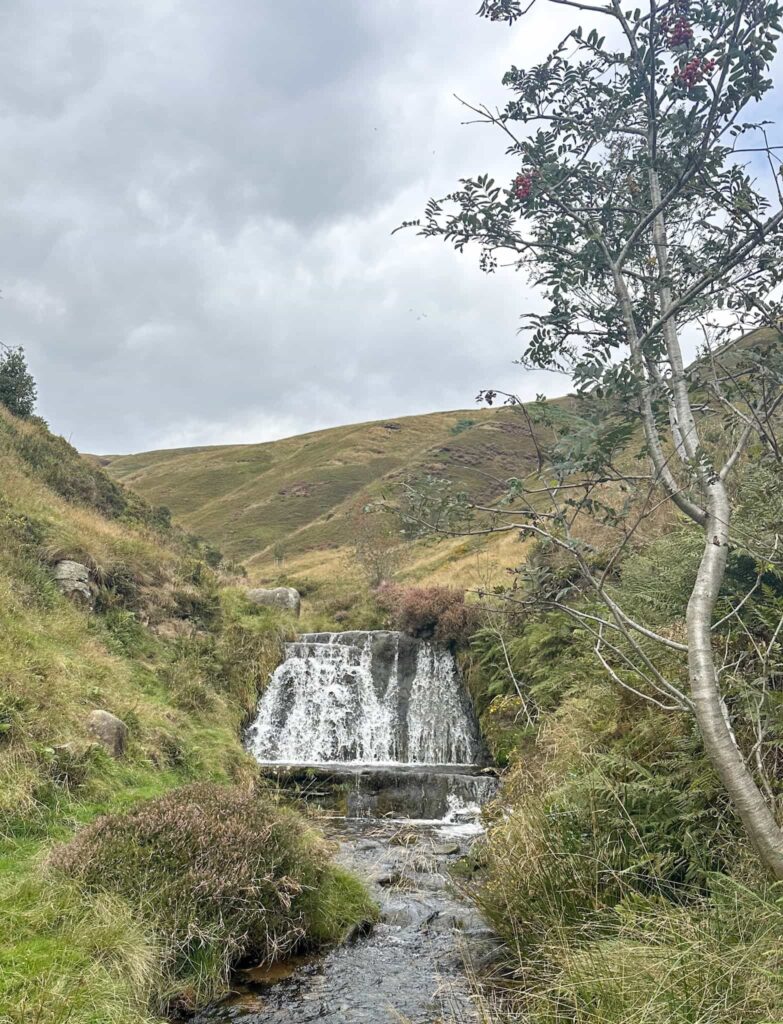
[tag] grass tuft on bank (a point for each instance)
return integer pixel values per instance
(224, 876)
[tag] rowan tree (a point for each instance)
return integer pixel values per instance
(644, 203)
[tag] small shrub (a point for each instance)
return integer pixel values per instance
(246, 657)
(160, 517)
(506, 729)
(171, 751)
(431, 613)
(18, 391)
(223, 875)
(188, 690)
(19, 527)
(69, 765)
(356, 608)
(212, 556)
(461, 426)
(202, 607)
(124, 633)
(118, 587)
(378, 548)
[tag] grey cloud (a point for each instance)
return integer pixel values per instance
(198, 200)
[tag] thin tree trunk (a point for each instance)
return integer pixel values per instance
(719, 743)
(708, 705)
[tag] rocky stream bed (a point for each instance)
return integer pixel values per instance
(413, 967)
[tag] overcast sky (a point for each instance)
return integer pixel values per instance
(197, 206)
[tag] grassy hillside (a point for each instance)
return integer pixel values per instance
(172, 651)
(295, 497)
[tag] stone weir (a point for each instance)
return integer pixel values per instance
(372, 725)
(366, 698)
(449, 794)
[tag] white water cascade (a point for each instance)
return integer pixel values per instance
(365, 698)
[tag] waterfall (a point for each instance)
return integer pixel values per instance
(365, 697)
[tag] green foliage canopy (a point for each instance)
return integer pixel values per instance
(18, 391)
(607, 134)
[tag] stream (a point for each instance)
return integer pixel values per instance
(414, 965)
(377, 729)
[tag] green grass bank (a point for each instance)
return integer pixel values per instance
(173, 651)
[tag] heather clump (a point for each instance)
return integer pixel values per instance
(223, 875)
(430, 613)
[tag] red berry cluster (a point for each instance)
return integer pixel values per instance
(523, 185)
(681, 32)
(693, 72)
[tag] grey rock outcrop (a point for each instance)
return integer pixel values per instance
(278, 597)
(111, 732)
(73, 580)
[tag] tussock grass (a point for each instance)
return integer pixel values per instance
(619, 882)
(65, 956)
(711, 958)
(223, 875)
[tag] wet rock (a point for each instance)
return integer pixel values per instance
(395, 656)
(473, 923)
(410, 911)
(73, 580)
(367, 844)
(359, 931)
(456, 916)
(427, 882)
(376, 791)
(285, 598)
(385, 876)
(446, 849)
(111, 732)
